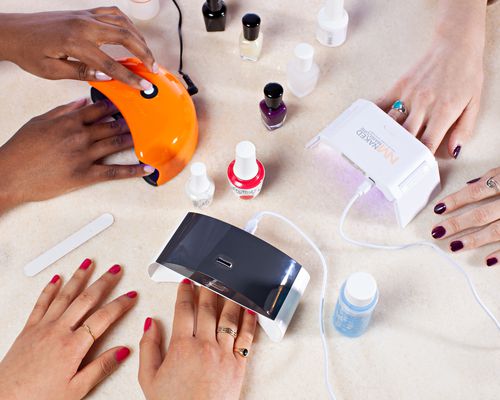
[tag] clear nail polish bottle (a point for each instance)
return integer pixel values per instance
(272, 108)
(200, 188)
(332, 23)
(251, 38)
(302, 72)
(214, 14)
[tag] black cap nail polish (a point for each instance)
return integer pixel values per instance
(214, 14)
(456, 152)
(440, 208)
(456, 245)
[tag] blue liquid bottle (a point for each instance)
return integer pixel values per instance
(355, 305)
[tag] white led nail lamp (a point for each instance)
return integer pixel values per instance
(403, 169)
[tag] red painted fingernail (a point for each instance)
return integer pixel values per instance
(132, 294)
(55, 278)
(147, 323)
(122, 354)
(85, 264)
(186, 280)
(251, 312)
(115, 269)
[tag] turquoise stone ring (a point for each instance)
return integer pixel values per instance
(398, 105)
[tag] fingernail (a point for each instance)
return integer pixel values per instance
(85, 264)
(115, 269)
(473, 181)
(456, 152)
(186, 280)
(132, 294)
(251, 312)
(147, 324)
(148, 169)
(438, 232)
(456, 245)
(156, 68)
(101, 76)
(122, 354)
(145, 85)
(440, 208)
(491, 261)
(55, 278)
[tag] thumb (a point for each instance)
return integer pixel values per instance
(150, 357)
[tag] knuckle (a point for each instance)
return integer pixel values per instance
(476, 192)
(427, 142)
(117, 141)
(245, 337)
(230, 318)
(107, 366)
(125, 34)
(207, 306)
(104, 316)
(209, 351)
(480, 216)
(495, 231)
(425, 95)
(87, 299)
(83, 71)
(64, 298)
(111, 172)
(114, 125)
(454, 225)
(184, 305)
(110, 66)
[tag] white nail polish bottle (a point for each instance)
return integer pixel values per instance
(200, 188)
(302, 72)
(144, 9)
(332, 23)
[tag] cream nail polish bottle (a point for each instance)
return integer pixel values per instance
(144, 9)
(332, 23)
(302, 72)
(251, 38)
(200, 188)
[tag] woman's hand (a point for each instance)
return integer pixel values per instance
(45, 361)
(201, 364)
(66, 44)
(484, 218)
(442, 91)
(61, 151)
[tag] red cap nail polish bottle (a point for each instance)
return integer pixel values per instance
(246, 173)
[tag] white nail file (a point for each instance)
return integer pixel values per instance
(69, 244)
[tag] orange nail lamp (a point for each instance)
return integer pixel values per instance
(162, 122)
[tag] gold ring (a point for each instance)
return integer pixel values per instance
(493, 184)
(87, 328)
(229, 331)
(242, 352)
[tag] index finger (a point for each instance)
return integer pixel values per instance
(471, 193)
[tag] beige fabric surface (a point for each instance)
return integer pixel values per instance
(428, 340)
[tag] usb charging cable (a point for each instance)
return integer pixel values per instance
(251, 227)
(364, 188)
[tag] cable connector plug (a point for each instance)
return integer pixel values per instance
(365, 187)
(252, 225)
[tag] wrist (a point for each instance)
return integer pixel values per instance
(9, 195)
(9, 39)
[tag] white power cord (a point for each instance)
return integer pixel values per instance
(251, 227)
(365, 188)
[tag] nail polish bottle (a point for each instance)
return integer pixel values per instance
(332, 23)
(214, 14)
(246, 173)
(355, 305)
(144, 9)
(251, 38)
(272, 108)
(200, 188)
(302, 72)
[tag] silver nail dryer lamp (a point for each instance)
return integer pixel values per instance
(236, 265)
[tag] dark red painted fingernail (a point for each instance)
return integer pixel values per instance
(473, 181)
(438, 232)
(122, 354)
(147, 324)
(440, 208)
(115, 269)
(456, 245)
(186, 280)
(491, 261)
(132, 294)
(456, 152)
(251, 312)
(55, 278)
(85, 264)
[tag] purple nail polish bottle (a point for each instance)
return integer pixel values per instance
(272, 108)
